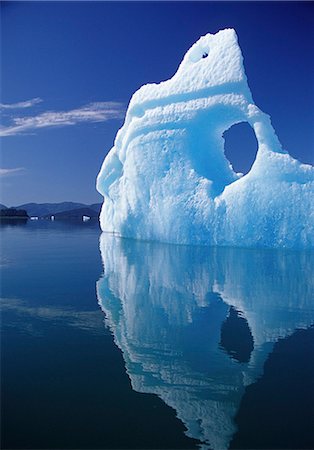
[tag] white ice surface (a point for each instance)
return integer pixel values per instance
(167, 177)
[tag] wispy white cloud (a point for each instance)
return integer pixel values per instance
(21, 105)
(8, 172)
(93, 112)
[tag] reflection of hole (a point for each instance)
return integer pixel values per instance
(236, 337)
(240, 146)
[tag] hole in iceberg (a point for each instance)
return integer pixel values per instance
(240, 147)
(236, 337)
(197, 53)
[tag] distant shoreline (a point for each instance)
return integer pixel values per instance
(13, 218)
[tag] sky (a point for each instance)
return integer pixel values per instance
(69, 69)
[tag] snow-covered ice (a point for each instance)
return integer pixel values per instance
(167, 177)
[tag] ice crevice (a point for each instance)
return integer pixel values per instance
(167, 177)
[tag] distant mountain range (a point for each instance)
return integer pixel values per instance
(60, 209)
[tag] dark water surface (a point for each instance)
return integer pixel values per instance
(110, 343)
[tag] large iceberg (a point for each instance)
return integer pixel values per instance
(170, 308)
(167, 177)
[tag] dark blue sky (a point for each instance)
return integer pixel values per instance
(74, 57)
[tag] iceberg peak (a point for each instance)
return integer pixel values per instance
(167, 177)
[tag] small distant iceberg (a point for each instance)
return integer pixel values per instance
(167, 178)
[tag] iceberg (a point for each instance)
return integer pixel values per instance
(167, 178)
(169, 309)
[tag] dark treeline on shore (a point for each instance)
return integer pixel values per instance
(10, 213)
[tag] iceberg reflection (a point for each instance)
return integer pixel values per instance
(197, 324)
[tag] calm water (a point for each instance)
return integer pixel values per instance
(110, 343)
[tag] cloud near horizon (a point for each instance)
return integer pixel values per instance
(93, 112)
(7, 172)
(90, 321)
